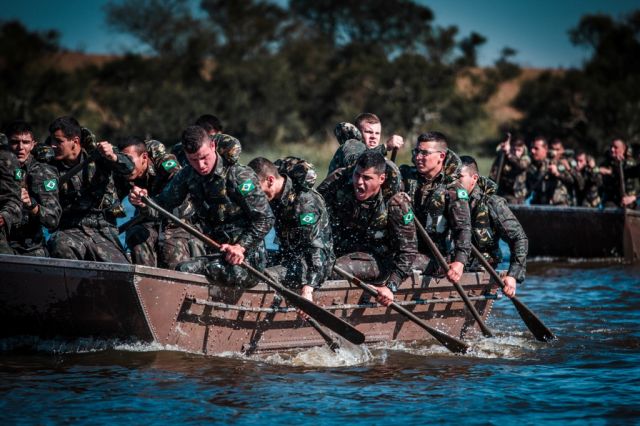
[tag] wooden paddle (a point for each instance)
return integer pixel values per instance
(450, 342)
(394, 154)
(445, 266)
(314, 311)
(534, 324)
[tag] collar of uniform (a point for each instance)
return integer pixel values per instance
(28, 162)
(64, 166)
(286, 191)
(218, 169)
(423, 179)
(476, 193)
(371, 202)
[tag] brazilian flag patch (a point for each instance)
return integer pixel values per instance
(169, 164)
(408, 218)
(50, 185)
(462, 194)
(246, 187)
(308, 218)
(18, 174)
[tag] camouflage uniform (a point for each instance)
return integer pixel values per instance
(41, 181)
(345, 132)
(547, 188)
(230, 207)
(90, 207)
(513, 179)
(346, 155)
(302, 228)
(442, 207)
(10, 203)
(158, 242)
(491, 220)
(588, 182)
(611, 183)
(376, 237)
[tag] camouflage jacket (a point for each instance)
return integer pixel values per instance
(441, 205)
(10, 203)
(348, 152)
(228, 203)
(547, 188)
(41, 181)
(491, 220)
(588, 183)
(382, 228)
(304, 235)
(513, 179)
(89, 198)
(611, 183)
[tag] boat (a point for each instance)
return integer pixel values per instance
(581, 232)
(68, 299)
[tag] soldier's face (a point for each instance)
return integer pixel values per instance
(539, 150)
(204, 159)
(371, 134)
(468, 179)
(428, 159)
(366, 182)
(581, 161)
(65, 148)
(140, 161)
(268, 187)
(617, 149)
(519, 150)
(21, 144)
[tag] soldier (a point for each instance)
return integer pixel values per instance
(375, 237)
(351, 146)
(210, 123)
(90, 205)
(370, 129)
(611, 180)
(549, 179)
(39, 194)
(10, 203)
(153, 243)
(491, 220)
(301, 222)
(588, 180)
(513, 176)
(440, 201)
(229, 204)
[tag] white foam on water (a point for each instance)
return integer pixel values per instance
(318, 356)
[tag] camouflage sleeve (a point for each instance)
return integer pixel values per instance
(167, 166)
(493, 174)
(122, 166)
(312, 257)
(403, 234)
(337, 161)
(510, 230)
(382, 149)
(43, 187)
(460, 221)
(175, 192)
(10, 203)
(328, 187)
(255, 204)
(518, 164)
(579, 179)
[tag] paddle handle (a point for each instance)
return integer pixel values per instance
(394, 154)
(499, 171)
(623, 190)
(445, 266)
(450, 342)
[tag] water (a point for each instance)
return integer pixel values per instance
(590, 375)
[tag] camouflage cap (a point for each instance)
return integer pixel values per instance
(228, 147)
(302, 173)
(346, 131)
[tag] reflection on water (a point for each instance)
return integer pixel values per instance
(589, 375)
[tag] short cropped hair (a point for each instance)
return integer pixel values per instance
(372, 158)
(435, 137)
(18, 127)
(134, 141)
(540, 138)
(193, 137)
(263, 168)
(68, 125)
(366, 117)
(209, 122)
(470, 163)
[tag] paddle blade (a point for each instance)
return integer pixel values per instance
(534, 324)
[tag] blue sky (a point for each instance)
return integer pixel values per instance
(536, 29)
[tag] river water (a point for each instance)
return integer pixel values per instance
(590, 375)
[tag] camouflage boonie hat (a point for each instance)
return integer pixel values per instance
(302, 173)
(346, 131)
(228, 147)
(156, 149)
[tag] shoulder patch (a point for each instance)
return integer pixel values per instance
(462, 194)
(18, 174)
(50, 185)
(246, 187)
(308, 218)
(169, 164)
(408, 218)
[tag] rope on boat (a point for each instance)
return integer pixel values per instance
(228, 307)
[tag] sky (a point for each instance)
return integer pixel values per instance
(538, 30)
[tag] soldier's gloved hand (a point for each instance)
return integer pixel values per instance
(106, 150)
(307, 292)
(455, 271)
(234, 253)
(509, 288)
(395, 141)
(385, 296)
(136, 194)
